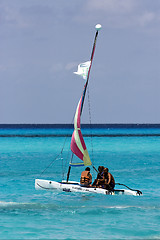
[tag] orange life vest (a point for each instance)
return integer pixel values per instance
(84, 177)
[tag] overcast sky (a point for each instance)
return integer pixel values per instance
(43, 41)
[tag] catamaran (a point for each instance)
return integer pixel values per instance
(78, 146)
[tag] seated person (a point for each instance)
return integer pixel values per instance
(107, 182)
(99, 175)
(86, 178)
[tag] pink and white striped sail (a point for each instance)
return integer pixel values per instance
(78, 146)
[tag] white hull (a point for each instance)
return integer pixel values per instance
(72, 186)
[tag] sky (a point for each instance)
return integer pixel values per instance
(43, 41)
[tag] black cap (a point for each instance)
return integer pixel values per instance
(87, 169)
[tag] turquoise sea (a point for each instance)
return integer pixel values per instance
(132, 154)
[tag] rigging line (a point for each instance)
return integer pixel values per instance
(56, 158)
(95, 168)
(60, 154)
(65, 165)
(90, 122)
(138, 191)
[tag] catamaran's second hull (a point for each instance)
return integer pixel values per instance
(72, 186)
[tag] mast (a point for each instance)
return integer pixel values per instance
(77, 130)
(69, 169)
(98, 27)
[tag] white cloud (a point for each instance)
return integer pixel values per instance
(114, 6)
(146, 18)
(71, 65)
(11, 16)
(120, 13)
(57, 67)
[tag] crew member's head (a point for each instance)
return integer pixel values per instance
(87, 169)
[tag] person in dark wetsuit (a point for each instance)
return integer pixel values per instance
(99, 176)
(107, 182)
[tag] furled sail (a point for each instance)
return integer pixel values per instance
(78, 146)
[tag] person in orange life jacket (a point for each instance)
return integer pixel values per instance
(99, 176)
(86, 178)
(107, 181)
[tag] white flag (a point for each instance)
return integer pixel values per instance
(83, 69)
